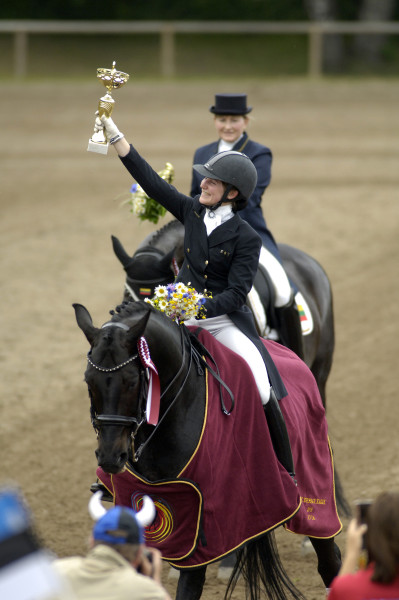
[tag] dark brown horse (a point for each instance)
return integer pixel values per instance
(117, 380)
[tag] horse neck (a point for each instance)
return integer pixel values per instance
(182, 406)
(168, 348)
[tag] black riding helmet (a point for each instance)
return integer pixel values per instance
(233, 168)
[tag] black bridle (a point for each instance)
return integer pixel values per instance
(133, 285)
(134, 423)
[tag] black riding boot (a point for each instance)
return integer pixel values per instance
(289, 327)
(279, 433)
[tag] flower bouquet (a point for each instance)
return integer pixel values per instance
(144, 207)
(178, 301)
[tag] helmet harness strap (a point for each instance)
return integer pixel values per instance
(224, 198)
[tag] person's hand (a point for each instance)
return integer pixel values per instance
(354, 537)
(98, 126)
(151, 563)
(106, 124)
(354, 544)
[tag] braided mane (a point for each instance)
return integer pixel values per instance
(130, 308)
(164, 230)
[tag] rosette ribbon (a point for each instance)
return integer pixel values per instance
(154, 386)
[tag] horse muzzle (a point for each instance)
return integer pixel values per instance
(112, 463)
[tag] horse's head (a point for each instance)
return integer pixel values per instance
(116, 380)
(147, 268)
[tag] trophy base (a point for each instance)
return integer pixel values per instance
(99, 147)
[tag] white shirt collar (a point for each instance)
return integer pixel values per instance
(223, 146)
(213, 219)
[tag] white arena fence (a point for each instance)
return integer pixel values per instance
(167, 30)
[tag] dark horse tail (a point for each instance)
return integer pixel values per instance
(260, 565)
(343, 506)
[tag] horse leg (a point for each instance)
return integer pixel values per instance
(328, 557)
(191, 583)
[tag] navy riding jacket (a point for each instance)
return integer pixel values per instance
(261, 156)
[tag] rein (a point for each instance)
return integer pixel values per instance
(137, 453)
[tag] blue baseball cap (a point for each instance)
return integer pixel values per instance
(119, 526)
(14, 514)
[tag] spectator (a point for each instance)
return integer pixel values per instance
(118, 566)
(26, 571)
(380, 579)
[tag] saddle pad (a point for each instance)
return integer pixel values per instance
(304, 314)
(259, 313)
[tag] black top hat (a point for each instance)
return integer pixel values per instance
(230, 104)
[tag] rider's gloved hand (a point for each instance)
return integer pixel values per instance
(111, 131)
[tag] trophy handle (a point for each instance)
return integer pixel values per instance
(106, 105)
(98, 142)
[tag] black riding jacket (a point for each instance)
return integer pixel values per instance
(224, 263)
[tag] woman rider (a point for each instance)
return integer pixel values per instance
(230, 118)
(221, 254)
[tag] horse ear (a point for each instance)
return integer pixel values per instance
(137, 330)
(85, 322)
(120, 252)
(165, 261)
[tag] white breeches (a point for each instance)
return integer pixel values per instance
(278, 276)
(224, 330)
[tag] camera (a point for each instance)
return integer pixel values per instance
(362, 507)
(148, 555)
(362, 510)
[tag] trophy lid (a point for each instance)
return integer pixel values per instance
(111, 78)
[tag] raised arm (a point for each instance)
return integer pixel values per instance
(154, 186)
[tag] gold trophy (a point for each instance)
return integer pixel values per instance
(112, 79)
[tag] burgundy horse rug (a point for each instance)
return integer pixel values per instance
(233, 489)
